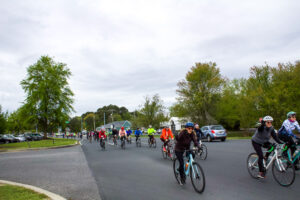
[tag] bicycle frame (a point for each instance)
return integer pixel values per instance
(290, 156)
(275, 157)
(191, 161)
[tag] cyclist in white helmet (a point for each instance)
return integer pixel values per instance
(261, 139)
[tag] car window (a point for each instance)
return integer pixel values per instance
(204, 128)
(217, 127)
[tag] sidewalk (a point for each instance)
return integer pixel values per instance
(62, 171)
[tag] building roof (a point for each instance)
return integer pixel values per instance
(116, 124)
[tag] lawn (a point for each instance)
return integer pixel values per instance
(38, 144)
(9, 192)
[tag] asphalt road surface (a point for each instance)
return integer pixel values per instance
(142, 173)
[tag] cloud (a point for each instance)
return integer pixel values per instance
(120, 51)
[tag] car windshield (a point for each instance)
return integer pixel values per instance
(218, 127)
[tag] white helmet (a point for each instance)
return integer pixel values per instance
(150, 126)
(268, 118)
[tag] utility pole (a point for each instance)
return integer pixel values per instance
(104, 118)
(94, 123)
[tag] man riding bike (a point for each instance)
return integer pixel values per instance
(286, 134)
(122, 133)
(198, 132)
(261, 139)
(166, 133)
(115, 134)
(151, 132)
(137, 134)
(102, 135)
(129, 132)
(184, 139)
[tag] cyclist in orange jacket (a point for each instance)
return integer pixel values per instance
(165, 135)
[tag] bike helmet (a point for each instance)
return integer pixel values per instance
(189, 124)
(150, 126)
(290, 114)
(267, 118)
(122, 128)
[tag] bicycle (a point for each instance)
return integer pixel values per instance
(169, 152)
(123, 143)
(202, 151)
(129, 140)
(282, 168)
(293, 159)
(115, 141)
(192, 169)
(102, 143)
(138, 142)
(152, 142)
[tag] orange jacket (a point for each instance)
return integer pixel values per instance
(166, 134)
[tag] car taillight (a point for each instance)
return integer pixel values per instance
(212, 131)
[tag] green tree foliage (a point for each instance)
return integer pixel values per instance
(151, 113)
(199, 92)
(75, 124)
(49, 97)
(21, 120)
(3, 123)
(89, 122)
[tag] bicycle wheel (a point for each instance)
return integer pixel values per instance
(165, 155)
(154, 143)
(197, 177)
(252, 165)
(202, 153)
(172, 153)
(149, 143)
(176, 165)
(283, 172)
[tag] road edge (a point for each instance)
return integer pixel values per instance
(51, 195)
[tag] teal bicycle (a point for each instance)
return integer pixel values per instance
(293, 159)
(192, 169)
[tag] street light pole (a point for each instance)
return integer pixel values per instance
(104, 118)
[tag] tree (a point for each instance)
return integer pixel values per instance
(151, 113)
(89, 121)
(75, 124)
(49, 97)
(3, 123)
(199, 92)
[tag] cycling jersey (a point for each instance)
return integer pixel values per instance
(288, 127)
(102, 134)
(138, 132)
(114, 132)
(129, 132)
(184, 140)
(122, 133)
(151, 131)
(166, 134)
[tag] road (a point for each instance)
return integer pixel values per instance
(142, 173)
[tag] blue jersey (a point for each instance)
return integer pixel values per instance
(138, 132)
(129, 132)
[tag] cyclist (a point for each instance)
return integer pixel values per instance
(184, 139)
(137, 134)
(102, 135)
(166, 133)
(129, 132)
(286, 134)
(261, 139)
(151, 132)
(122, 134)
(198, 132)
(115, 134)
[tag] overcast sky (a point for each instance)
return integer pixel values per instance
(121, 51)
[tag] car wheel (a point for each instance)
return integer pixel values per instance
(209, 139)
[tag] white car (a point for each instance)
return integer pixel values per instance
(21, 138)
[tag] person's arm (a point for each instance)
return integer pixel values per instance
(195, 140)
(297, 126)
(274, 136)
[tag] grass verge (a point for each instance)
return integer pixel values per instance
(37, 144)
(10, 192)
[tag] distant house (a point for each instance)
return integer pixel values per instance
(175, 123)
(117, 125)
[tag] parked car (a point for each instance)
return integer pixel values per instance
(11, 138)
(28, 137)
(214, 132)
(4, 139)
(21, 138)
(36, 136)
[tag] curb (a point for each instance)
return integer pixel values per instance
(36, 149)
(51, 195)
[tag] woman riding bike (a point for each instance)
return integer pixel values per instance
(137, 134)
(184, 139)
(286, 134)
(166, 133)
(129, 132)
(261, 139)
(122, 133)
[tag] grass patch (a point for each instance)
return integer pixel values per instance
(10, 192)
(238, 138)
(38, 144)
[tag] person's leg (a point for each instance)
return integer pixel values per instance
(257, 148)
(179, 156)
(270, 148)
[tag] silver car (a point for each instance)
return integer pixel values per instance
(214, 132)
